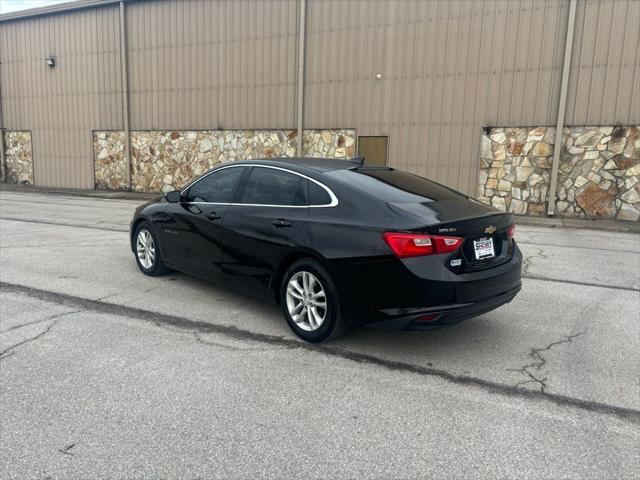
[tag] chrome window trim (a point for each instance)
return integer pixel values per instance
(332, 196)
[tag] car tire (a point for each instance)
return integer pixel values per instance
(310, 302)
(147, 252)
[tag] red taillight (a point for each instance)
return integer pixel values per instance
(511, 230)
(446, 244)
(414, 245)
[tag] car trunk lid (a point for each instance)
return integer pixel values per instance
(478, 224)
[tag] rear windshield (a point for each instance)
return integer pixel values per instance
(395, 186)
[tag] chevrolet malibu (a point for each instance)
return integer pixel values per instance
(335, 243)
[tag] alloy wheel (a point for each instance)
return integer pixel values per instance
(306, 301)
(145, 249)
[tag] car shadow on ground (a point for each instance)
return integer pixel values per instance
(465, 339)
(471, 338)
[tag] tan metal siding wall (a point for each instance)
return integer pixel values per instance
(212, 64)
(62, 105)
(449, 68)
(605, 66)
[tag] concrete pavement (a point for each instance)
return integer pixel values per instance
(173, 377)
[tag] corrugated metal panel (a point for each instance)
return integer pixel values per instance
(34, 10)
(62, 105)
(605, 66)
(449, 68)
(214, 64)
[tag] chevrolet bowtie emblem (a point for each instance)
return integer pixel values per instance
(490, 229)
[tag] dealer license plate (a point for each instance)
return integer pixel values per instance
(484, 248)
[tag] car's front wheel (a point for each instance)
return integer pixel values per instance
(147, 252)
(310, 302)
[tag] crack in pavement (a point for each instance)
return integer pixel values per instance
(228, 347)
(35, 322)
(138, 294)
(526, 261)
(215, 344)
(100, 299)
(538, 362)
(10, 351)
(54, 319)
(586, 284)
(230, 331)
(67, 450)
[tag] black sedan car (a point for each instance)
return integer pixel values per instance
(335, 243)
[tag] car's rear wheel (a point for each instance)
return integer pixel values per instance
(147, 252)
(310, 302)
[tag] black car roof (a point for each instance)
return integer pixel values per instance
(317, 164)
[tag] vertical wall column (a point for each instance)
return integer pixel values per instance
(301, 58)
(562, 102)
(3, 162)
(125, 91)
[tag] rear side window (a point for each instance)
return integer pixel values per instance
(269, 186)
(395, 185)
(217, 187)
(318, 195)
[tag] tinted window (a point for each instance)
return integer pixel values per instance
(216, 187)
(318, 195)
(268, 186)
(395, 185)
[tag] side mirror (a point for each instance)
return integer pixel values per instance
(173, 196)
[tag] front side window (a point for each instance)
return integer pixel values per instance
(217, 187)
(268, 186)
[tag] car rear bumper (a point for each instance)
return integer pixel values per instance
(412, 302)
(429, 318)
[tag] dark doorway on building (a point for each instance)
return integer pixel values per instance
(373, 149)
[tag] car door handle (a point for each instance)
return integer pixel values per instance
(213, 216)
(281, 223)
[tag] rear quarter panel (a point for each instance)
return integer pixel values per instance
(353, 228)
(349, 238)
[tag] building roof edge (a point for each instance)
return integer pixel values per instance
(53, 9)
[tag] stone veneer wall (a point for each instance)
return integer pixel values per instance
(598, 176)
(166, 160)
(18, 157)
(109, 160)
